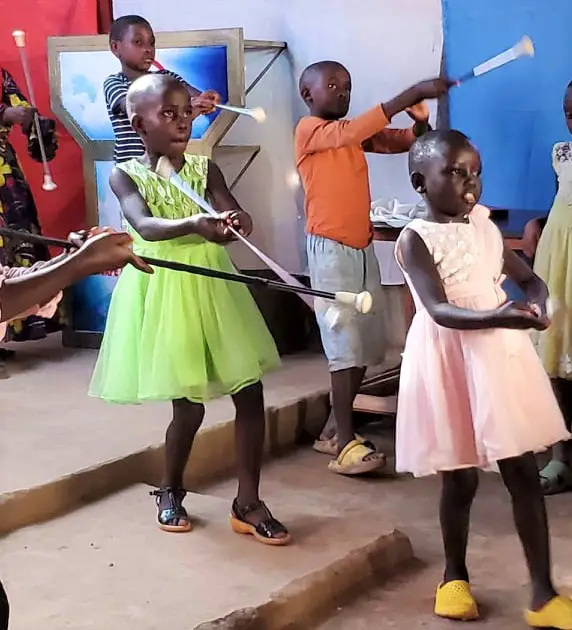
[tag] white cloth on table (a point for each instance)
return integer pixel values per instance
(392, 213)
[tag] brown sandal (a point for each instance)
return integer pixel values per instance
(268, 531)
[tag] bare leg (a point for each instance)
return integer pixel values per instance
(329, 430)
(250, 426)
(563, 392)
(4, 608)
(520, 476)
(344, 386)
(556, 476)
(457, 494)
(187, 419)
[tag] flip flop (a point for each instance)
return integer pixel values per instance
(330, 447)
(556, 477)
(557, 613)
(454, 600)
(352, 459)
(327, 447)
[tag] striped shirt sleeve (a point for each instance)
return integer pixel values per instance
(114, 90)
(193, 90)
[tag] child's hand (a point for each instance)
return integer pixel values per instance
(205, 103)
(19, 115)
(419, 112)
(109, 251)
(521, 317)
(214, 229)
(434, 88)
(530, 238)
(81, 236)
(241, 221)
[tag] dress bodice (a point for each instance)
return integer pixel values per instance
(164, 199)
(468, 256)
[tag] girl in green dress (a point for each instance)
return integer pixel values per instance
(182, 337)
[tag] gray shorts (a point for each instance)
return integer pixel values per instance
(361, 342)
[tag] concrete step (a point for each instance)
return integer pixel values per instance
(108, 566)
(495, 559)
(61, 449)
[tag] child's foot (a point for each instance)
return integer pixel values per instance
(556, 477)
(454, 600)
(557, 613)
(257, 520)
(329, 445)
(326, 446)
(356, 458)
(172, 516)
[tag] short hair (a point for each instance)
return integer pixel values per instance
(121, 25)
(151, 84)
(313, 70)
(432, 144)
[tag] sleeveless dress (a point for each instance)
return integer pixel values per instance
(553, 263)
(172, 334)
(469, 398)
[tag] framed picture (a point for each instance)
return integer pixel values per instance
(212, 59)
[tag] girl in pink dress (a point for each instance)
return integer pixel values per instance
(472, 388)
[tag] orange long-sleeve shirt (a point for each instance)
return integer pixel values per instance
(331, 161)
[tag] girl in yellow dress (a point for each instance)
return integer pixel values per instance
(551, 247)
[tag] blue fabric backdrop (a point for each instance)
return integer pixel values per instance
(514, 114)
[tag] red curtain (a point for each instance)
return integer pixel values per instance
(64, 209)
(104, 15)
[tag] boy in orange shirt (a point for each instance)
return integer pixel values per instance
(331, 161)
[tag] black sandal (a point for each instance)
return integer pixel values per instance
(269, 531)
(175, 511)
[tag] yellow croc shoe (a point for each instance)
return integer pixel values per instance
(357, 457)
(454, 600)
(557, 614)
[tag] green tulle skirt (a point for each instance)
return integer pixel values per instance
(175, 335)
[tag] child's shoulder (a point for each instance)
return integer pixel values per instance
(170, 73)
(197, 166)
(116, 77)
(480, 212)
(308, 123)
(481, 218)
(562, 152)
(198, 160)
(128, 165)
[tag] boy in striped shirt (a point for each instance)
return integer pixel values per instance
(132, 41)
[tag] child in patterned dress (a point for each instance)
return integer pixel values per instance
(549, 242)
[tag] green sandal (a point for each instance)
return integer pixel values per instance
(556, 477)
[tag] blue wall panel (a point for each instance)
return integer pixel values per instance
(513, 114)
